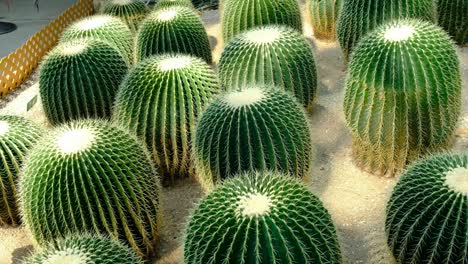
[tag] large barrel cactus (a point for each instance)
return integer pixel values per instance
(453, 17)
(261, 217)
(402, 101)
(132, 12)
(170, 3)
(106, 28)
(427, 215)
(174, 29)
(270, 55)
(240, 15)
(85, 249)
(253, 129)
(359, 17)
(17, 137)
(324, 15)
(90, 176)
(160, 102)
(80, 79)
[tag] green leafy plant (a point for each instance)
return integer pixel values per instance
(132, 12)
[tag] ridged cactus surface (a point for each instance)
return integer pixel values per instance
(79, 79)
(427, 215)
(17, 137)
(359, 17)
(106, 28)
(132, 12)
(170, 3)
(453, 17)
(206, 4)
(324, 17)
(270, 55)
(253, 129)
(240, 15)
(402, 101)
(174, 29)
(85, 249)
(99, 180)
(160, 102)
(261, 217)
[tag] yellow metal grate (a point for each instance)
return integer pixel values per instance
(18, 65)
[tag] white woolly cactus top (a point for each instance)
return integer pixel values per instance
(67, 256)
(93, 22)
(263, 35)
(457, 180)
(245, 97)
(166, 14)
(398, 33)
(173, 63)
(75, 140)
(253, 205)
(4, 127)
(122, 2)
(73, 48)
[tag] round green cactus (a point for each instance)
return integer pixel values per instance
(453, 17)
(132, 12)
(170, 3)
(240, 15)
(160, 102)
(324, 15)
(402, 101)
(253, 129)
(174, 29)
(80, 79)
(261, 217)
(270, 55)
(106, 28)
(99, 179)
(85, 249)
(17, 137)
(427, 215)
(359, 17)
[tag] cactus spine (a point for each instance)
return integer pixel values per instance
(454, 19)
(324, 15)
(132, 12)
(170, 3)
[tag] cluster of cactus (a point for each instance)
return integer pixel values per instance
(359, 17)
(99, 180)
(160, 102)
(174, 29)
(273, 56)
(240, 15)
(106, 28)
(452, 16)
(132, 12)
(402, 101)
(258, 128)
(170, 3)
(206, 4)
(79, 79)
(428, 211)
(261, 217)
(85, 249)
(17, 137)
(324, 15)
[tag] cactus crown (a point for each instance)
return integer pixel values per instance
(263, 35)
(93, 22)
(245, 97)
(457, 179)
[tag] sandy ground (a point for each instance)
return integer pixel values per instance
(355, 199)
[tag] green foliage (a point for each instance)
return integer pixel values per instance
(240, 15)
(427, 215)
(99, 180)
(170, 3)
(271, 55)
(324, 15)
(132, 12)
(80, 79)
(359, 17)
(85, 249)
(106, 28)
(174, 29)
(253, 129)
(160, 102)
(401, 100)
(17, 137)
(453, 17)
(261, 218)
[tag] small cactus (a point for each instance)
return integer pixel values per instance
(270, 55)
(85, 249)
(240, 15)
(253, 129)
(132, 12)
(261, 217)
(79, 79)
(17, 137)
(160, 102)
(324, 15)
(453, 17)
(170, 3)
(427, 215)
(402, 101)
(99, 180)
(174, 29)
(106, 28)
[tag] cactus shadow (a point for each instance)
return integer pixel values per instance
(20, 254)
